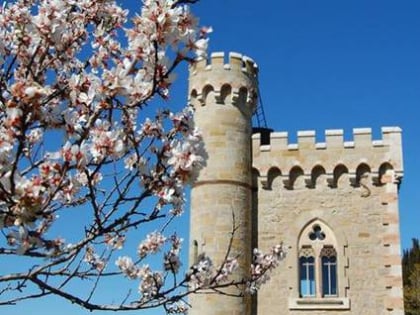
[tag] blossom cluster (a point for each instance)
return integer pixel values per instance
(76, 79)
(179, 307)
(151, 281)
(71, 98)
(204, 274)
(151, 244)
(262, 265)
(93, 259)
(172, 261)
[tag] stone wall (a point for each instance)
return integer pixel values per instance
(353, 189)
(282, 191)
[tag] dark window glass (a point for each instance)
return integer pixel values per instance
(329, 276)
(307, 276)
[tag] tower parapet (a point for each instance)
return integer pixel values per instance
(362, 150)
(236, 62)
(233, 82)
(362, 137)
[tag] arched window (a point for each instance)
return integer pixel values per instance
(317, 262)
(307, 271)
(329, 271)
(307, 276)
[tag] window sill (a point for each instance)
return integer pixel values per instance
(332, 303)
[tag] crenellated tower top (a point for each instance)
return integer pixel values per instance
(229, 82)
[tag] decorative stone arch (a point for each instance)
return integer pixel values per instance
(296, 178)
(241, 96)
(340, 238)
(363, 179)
(273, 175)
(386, 173)
(194, 101)
(208, 93)
(363, 172)
(318, 177)
(305, 234)
(225, 94)
(340, 176)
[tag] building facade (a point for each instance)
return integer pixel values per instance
(333, 204)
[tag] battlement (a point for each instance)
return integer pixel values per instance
(220, 81)
(334, 139)
(332, 157)
(217, 61)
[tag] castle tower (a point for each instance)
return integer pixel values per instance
(334, 204)
(224, 98)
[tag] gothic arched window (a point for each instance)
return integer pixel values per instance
(317, 262)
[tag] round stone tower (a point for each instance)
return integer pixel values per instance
(224, 96)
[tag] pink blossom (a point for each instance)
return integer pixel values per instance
(127, 267)
(151, 244)
(75, 78)
(150, 282)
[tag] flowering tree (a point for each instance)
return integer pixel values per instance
(75, 76)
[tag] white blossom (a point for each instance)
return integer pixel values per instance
(75, 142)
(127, 267)
(152, 244)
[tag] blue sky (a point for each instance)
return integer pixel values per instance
(324, 64)
(330, 64)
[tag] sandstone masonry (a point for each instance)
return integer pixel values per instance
(333, 204)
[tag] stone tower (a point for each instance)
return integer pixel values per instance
(224, 98)
(333, 203)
